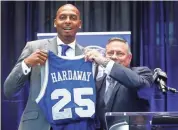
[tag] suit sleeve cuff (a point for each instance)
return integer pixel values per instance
(26, 70)
(109, 67)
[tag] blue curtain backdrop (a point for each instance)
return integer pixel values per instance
(154, 27)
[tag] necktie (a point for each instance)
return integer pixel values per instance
(109, 91)
(64, 49)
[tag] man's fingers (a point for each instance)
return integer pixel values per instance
(91, 58)
(42, 57)
(86, 50)
(40, 61)
(87, 56)
(42, 52)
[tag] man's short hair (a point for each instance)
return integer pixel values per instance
(121, 40)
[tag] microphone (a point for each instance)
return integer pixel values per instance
(160, 78)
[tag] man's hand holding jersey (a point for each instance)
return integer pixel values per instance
(96, 56)
(38, 57)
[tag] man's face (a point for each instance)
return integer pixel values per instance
(67, 21)
(118, 51)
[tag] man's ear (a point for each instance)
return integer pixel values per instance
(80, 26)
(130, 57)
(54, 22)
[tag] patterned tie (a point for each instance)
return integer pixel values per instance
(109, 91)
(64, 49)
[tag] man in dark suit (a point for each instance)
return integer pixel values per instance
(67, 23)
(118, 88)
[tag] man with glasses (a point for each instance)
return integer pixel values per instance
(118, 89)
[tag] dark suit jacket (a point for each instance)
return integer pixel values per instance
(125, 94)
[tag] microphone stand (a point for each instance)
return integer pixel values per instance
(168, 89)
(173, 90)
(160, 78)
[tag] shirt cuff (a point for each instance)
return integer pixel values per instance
(26, 70)
(109, 67)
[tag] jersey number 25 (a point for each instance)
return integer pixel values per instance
(60, 112)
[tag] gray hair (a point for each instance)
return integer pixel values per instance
(121, 40)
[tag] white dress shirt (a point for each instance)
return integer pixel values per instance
(70, 53)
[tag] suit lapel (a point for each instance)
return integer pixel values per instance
(111, 100)
(100, 82)
(52, 45)
(78, 49)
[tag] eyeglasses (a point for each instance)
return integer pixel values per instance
(117, 54)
